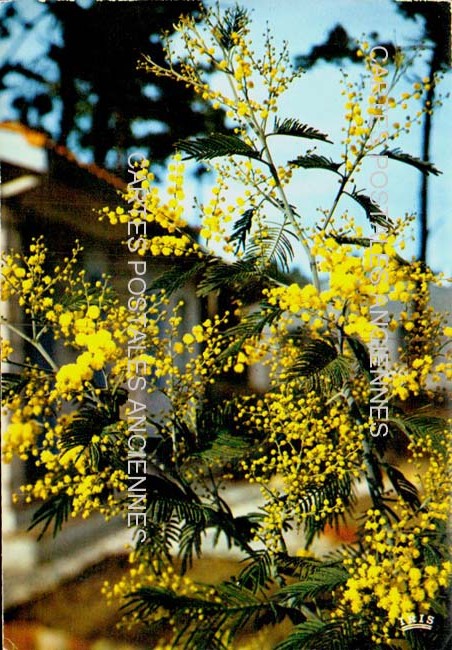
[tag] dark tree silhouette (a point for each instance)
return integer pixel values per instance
(340, 46)
(99, 96)
(437, 24)
(337, 47)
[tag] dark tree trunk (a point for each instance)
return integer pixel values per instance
(435, 65)
(68, 92)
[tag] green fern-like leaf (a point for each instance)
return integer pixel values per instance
(242, 229)
(190, 543)
(257, 574)
(225, 448)
(427, 424)
(213, 419)
(322, 581)
(218, 441)
(403, 486)
(272, 246)
(12, 383)
(164, 508)
(299, 567)
(88, 422)
(314, 357)
(315, 496)
(422, 165)
(238, 607)
(94, 419)
(56, 509)
(190, 511)
(161, 540)
(177, 523)
(290, 126)
(374, 213)
(418, 426)
(356, 241)
(216, 145)
(244, 607)
(223, 275)
(252, 325)
(317, 634)
(432, 553)
(361, 354)
(234, 21)
(177, 277)
(147, 600)
(320, 365)
(314, 161)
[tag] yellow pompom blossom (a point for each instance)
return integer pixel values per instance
(398, 575)
(355, 284)
(6, 349)
(304, 450)
(21, 436)
(144, 201)
(83, 318)
(168, 245)
(100, 349)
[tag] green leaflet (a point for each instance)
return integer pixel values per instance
(423, 166)
(291, 126)
(314, 161)
(215, 145)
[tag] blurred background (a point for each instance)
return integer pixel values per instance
(73, 107)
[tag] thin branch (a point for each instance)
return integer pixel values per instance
(35, 344)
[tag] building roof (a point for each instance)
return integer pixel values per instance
(46, 180)
(27, 146)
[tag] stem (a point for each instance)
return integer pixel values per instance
(348, 176)
(288, 212)
(363, 152)
(372, 479)
(33, 329)
(340, 191)
(35, 344)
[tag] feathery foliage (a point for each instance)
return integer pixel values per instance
(57, 509)
(291, 126)
(321, 366)
(321, 582)
(216, 145)
(12, 383)
(314, 161)
(423, 166)
(242, 229)
(374, 213)
(234, 21)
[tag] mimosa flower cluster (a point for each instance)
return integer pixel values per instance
(303, 434)
(398, 575)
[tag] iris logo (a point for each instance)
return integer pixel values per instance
(413, 622)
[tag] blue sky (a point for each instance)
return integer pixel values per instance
(315, 99)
